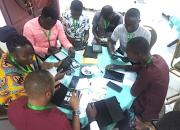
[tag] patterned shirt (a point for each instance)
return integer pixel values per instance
(11, 81)
(75, 28)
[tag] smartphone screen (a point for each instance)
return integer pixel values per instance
(73, 82)
(114, 86)
(113, 75)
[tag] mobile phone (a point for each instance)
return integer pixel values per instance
(73, 82)
(114, 86)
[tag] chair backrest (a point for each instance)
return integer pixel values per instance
(177, 51)
(153, 35)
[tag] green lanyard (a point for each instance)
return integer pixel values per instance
(129, 36)
(39, 108)
(149, 61)
(27, 69)
(48, 35)
(76, 24)
(106, 24)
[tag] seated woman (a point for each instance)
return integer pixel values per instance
(15, 65)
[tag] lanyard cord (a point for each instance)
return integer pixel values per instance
(26, 69)
(106, 24)
(48, 35)
(75, 25)
(39, 108)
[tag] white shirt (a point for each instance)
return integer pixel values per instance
(120, 33)
(94, 126)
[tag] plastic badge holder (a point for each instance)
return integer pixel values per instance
(97, 48)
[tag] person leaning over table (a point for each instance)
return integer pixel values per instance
(76, 24)
(150, 87)
(43, 32)
(127, 31)
(14, 67)
(104, 23)
(35, 111)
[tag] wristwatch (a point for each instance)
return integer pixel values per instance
(76, 112)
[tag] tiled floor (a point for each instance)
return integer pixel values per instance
(150, 15)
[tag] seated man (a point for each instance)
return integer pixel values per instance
(104, 23)
(36, 112)
(152, 80)
(127, 31)
(76, 24)
(43, 32)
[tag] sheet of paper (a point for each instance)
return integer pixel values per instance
(83, 83)
(53, 71)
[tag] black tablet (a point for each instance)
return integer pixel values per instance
(113, 75)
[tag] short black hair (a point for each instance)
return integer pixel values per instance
(76, 5)
(37, 82)
(50, 12)
(139, 45)
(17, 40)
(106, 11)
(133, 12)
(170, 121)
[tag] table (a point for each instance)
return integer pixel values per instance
(124, 97)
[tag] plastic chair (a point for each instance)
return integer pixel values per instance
(153, 35)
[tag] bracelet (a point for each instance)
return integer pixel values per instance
(76, 112)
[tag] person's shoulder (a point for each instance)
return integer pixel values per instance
(57, 114)
(66, 14)
(117, 14)
(18, 103)
(34, 20)
(121, 27)
(98, 14)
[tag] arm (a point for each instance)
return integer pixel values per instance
(91, 113)
(74, 103)
(134, 68)
(113, 39)
(29, 35)
(140, 84)
(62, 37)
(86, 33)
(86, 37)
(94, 28)
(111, 46)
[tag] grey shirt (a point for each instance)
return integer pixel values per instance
(101, 29)
(120, 33)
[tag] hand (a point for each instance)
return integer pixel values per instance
(98, 39)
(46, 65)
(91, 112)
(139, 125)
(71, 52)
(110, 67)
(59, 75)
(74, 101)
(52, 50)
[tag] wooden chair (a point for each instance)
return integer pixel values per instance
(175, 65)
(153, 35)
